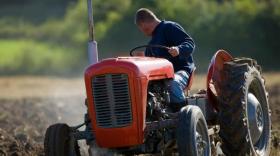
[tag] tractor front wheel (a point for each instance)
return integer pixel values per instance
(192, 133)
(58, 141)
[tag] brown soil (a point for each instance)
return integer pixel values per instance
(23, 122)
(29, 105)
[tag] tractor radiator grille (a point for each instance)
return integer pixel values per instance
(112, 100)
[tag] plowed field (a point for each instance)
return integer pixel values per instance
(28, 105)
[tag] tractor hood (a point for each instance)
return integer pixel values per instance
(151, 68)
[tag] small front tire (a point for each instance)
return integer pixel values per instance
(58, 141)
(192, 133)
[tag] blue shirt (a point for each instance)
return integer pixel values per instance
(170, 34)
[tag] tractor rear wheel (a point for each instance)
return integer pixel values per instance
(192, 133)
(244, 118)
(58, 141)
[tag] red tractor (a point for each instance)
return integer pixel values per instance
(127, 101)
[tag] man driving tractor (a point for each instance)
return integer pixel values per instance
(128, 101)
(179, 53)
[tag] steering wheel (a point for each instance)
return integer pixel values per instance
(148, 46)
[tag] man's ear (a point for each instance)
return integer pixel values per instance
(141, 24)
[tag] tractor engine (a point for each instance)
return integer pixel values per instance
(156, 111)
(157, 101)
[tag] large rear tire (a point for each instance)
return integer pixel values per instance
(244, 118)
(58, 141)
(192, 133)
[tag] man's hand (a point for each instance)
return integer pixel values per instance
(139, 53)
(173, 51)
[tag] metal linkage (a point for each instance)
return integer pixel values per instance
(81, 135)
(214, 130)
(156, 125)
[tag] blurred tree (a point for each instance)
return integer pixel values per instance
(244, 27)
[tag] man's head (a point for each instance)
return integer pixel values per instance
(146, 21)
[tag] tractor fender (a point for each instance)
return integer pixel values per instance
(215, 76)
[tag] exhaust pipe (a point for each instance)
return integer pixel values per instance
(92, 44)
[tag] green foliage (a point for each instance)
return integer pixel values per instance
(34, 11)
(243, 27)
(30, 57)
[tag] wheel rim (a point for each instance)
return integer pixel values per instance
(255, 117)
(201, 139)
(258, 117)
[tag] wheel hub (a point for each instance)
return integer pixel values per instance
(255, 117)
(200, 143)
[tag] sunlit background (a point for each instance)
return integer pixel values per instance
(50, 36)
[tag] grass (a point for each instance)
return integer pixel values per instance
(31, 57)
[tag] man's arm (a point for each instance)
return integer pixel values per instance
(177, 36)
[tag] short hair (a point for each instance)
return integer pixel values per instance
(144, 15)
